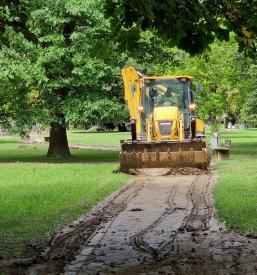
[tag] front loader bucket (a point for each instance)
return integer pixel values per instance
(164, 154)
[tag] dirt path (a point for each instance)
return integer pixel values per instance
(161, 225)
(95, 147)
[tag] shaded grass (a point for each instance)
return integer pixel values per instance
(39, 195)
(11, 150)
(236, 191)
(38, 154)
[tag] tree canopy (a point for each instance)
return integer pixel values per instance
(249, 110)
(53, 51)
(60, 64)
(190, 25)
(61, 60)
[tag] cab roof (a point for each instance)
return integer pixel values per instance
(168, 77)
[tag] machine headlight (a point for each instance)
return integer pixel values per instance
(165, 127)
(192, 106)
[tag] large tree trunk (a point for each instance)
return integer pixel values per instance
(58, 143)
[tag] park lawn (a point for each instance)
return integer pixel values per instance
(236, 190)
(99, 138)
(39, 195)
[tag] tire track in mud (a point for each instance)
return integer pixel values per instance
(207, 248)
(160, 225)
(200, 213)
(117, 208)
(138, 239)
(66, 244)
(196, 196)
(193, 195)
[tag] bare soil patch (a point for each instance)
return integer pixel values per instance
(164, 171)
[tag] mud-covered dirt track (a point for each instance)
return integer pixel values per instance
(156, 225)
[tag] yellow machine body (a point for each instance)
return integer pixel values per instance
(166, 132)
(164, 114)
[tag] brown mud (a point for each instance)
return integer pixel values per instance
(161, 223)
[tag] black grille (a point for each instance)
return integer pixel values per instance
(165, 127)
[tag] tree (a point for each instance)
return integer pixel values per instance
(19, 102)
(249, 110)
(190, 25)
(96, 111)
(105, 103)
(224, 80)
(61, 42)
(60, 62)
(60, 65)
(225, 75)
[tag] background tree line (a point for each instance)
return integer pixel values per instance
(61, 59)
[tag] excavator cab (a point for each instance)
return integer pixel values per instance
(165, 129)
(168, 95)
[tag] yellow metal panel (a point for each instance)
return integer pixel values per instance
(132, 86)
(166, 113)
(149, 128)
(199, 125)
(169, 113)
(181, 127)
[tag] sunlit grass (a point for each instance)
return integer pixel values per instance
(236, 191)
(101, 138)
(40, 194)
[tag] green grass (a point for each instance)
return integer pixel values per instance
(236, 191)
(101, 138)
(39, 195)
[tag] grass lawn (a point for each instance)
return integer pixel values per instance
(99, 138)
(39, 195)
(236, 191)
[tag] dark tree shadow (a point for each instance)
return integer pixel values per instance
(29, 153)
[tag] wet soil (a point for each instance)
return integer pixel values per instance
(161, 223)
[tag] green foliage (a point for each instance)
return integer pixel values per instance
(249, 110)
(226, 77)
(61, 58)
(66, 56)
(97, 111)
(226, 80)
(62, 51)
(190, 25)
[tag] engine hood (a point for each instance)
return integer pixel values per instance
(166, 113)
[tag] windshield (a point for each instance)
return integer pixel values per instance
(166, 92)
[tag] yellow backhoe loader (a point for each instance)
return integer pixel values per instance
(165, 130)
